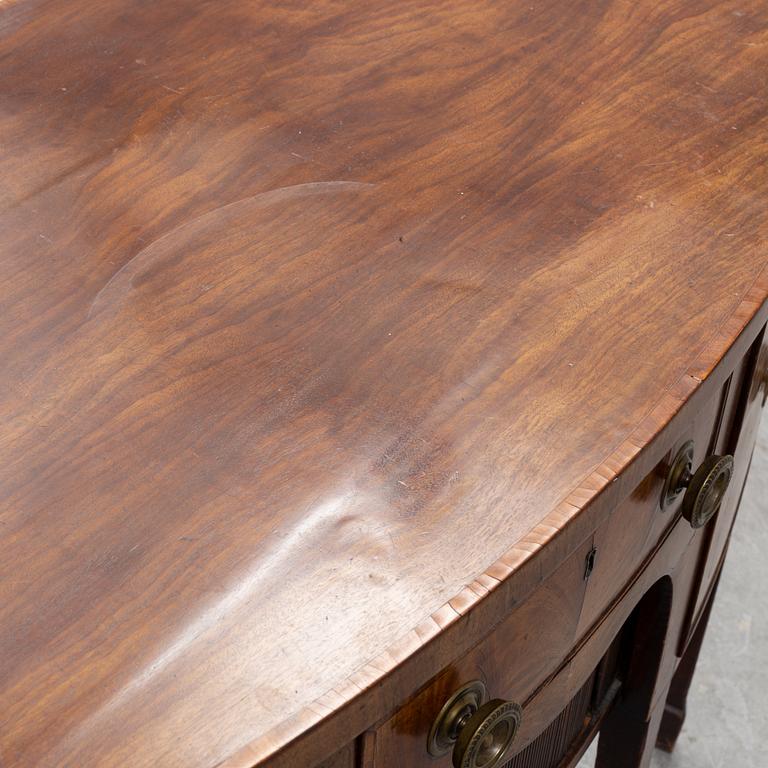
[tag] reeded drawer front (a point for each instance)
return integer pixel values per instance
(558, 738)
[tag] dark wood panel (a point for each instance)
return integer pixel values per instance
(347, 757)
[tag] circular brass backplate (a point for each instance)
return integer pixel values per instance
(679, 474)
(455, 712)
(707, 489)
(488, 734)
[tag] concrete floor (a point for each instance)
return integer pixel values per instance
(727, 721)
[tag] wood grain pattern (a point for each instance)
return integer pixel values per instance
(320, 324)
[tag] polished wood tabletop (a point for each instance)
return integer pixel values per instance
(310, 312)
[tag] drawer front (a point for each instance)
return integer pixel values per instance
(636, 526)
(513, 661)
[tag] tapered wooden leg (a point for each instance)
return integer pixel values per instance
(674, 710)
(628, 734)
(628, 742)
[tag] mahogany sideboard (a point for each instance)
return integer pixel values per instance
(378, 381)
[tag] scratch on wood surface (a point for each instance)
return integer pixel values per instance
(121, 281)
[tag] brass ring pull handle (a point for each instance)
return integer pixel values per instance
(704, 489)
(480, 732)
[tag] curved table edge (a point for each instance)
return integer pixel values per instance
(303, 736)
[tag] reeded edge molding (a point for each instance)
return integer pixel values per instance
(718, 353)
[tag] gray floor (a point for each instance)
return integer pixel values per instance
(727, 722)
